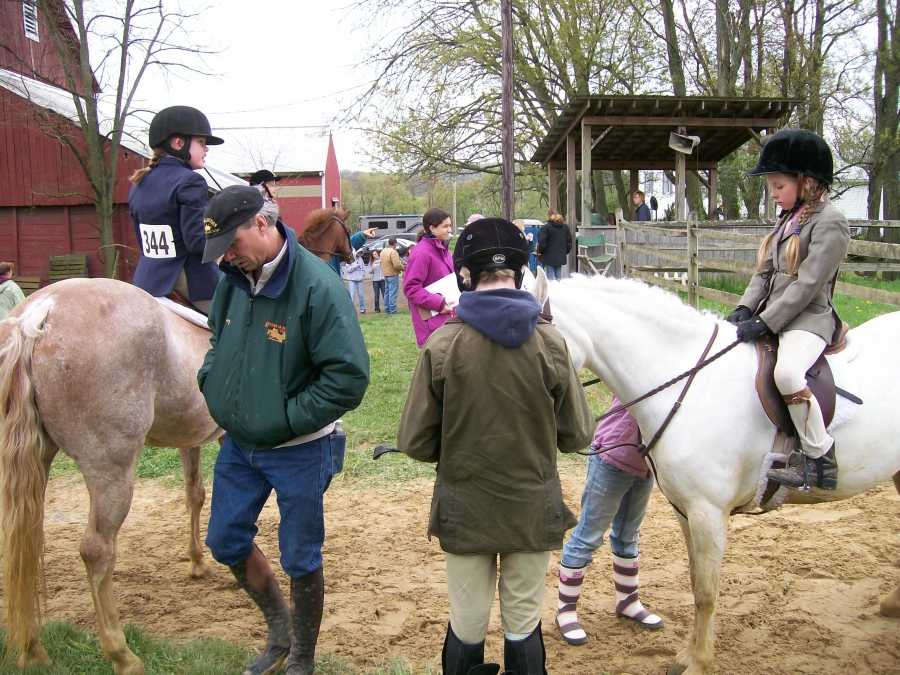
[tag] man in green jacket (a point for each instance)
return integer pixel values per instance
(493, 396)
(286, 360)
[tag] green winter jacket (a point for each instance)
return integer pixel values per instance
(288, 361)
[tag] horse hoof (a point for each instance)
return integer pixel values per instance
(132, 666)
(35, 657)
(676, 670)
(890, 606)
(200, 570)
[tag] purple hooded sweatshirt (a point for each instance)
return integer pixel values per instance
(621, 427)
(429, 260)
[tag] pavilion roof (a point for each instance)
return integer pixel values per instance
(632, 132)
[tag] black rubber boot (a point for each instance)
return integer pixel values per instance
(307, 598)
(277, 614)
(806, 473)
(525, 657)
(464, 658)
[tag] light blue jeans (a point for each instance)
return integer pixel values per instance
(391, 286)
(356, 289)
(611, 497)
(554, 272)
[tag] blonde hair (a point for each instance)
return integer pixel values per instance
(518, 222)
(810, 196)
(555, 216)
(138, 176)
(486, 276)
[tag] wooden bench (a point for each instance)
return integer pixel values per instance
(73, 266)
(598, 264)
(28, 284)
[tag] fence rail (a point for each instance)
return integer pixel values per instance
(736, 256)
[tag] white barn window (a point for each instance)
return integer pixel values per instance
(29, 9)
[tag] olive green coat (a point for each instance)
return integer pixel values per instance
(803, 301)
(493, 417)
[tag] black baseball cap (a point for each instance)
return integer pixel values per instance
(225, 212)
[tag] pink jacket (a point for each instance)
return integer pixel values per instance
(621, 427)
(429, 260)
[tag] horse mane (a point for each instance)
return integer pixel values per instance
(319, 220)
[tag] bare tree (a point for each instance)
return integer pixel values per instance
(105, 48)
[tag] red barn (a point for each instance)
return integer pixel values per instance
(318, 187)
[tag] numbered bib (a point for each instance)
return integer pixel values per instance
(157, 241)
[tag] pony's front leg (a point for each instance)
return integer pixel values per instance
(705, 534)
(194, 497)
(111, 494)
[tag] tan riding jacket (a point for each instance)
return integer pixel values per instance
(391, 265)
(803, 301)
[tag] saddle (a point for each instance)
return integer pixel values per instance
(819, 378)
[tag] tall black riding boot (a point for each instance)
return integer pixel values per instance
(307, 598)
(266, 593)
(525, 657)
(464, 658)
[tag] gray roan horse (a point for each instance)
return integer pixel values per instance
(95, 368)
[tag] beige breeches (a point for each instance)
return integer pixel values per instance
(472, 581)
(798, 350)
(181, 287)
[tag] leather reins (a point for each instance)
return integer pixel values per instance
(335, 253)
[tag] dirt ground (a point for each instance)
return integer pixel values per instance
(799, 593)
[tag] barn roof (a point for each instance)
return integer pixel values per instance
(285, 150)
(632, 132)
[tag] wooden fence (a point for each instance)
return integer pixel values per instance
(691, 247)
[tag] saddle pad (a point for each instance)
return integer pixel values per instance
(819, 378)
(185, 313)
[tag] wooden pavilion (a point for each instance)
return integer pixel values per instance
(632, 133)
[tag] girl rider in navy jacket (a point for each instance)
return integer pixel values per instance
(167, 203)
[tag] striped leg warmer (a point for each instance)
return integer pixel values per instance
(570, 580)
(628, 606)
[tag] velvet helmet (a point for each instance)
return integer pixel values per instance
(490, 244)
(180, 120)
(796, 151)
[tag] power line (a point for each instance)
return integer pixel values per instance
(293, 126)
(288, 105)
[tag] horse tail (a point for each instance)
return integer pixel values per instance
(23, 477)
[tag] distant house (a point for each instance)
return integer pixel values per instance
(316, 186)
(45, 209)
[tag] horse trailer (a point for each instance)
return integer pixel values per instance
(391, 224)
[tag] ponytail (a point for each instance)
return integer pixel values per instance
(138, 176)
(810, 196)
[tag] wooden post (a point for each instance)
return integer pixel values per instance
(620, 243)
(680, 182)
(713, 194)
(633, 183)
(552, 190)
(693, 273)
(507, 197)
(768, 204)
(571, 198)
(587, 197)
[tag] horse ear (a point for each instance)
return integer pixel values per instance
(539, 289)
(345, 215)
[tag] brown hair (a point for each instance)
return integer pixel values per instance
(5, 268)
(810, 196)
(641, 193)
(486, 276)
(431, 219)
(555, 216)
(138, 176)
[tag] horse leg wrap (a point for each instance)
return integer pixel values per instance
(307, 598)
(628, 606)
(570, 580)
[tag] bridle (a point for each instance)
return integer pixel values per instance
(343, 256)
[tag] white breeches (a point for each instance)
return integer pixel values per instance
(798, 350)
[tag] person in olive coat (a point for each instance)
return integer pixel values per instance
(554, 244)
(493, 425)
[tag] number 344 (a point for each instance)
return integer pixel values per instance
(157, 241)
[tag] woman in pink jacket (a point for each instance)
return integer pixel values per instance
(429, 261)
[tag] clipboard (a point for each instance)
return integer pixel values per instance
(445, 287)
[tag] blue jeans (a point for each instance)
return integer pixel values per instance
(554, 272)
(356, 289)
(378, 289)
(611, 497)
(391, 286)
(242, 482)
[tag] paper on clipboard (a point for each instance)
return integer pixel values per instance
(446, 287)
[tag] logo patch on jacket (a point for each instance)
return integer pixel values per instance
(275, 332)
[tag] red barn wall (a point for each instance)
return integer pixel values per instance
(294, 209)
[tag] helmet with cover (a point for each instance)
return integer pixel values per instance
(184, 121)
(489, 244)
(796, 151)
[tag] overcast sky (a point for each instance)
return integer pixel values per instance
(282, 63)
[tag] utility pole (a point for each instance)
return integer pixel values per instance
(455, 222)
(507, 190)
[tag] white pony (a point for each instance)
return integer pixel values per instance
(636, 337)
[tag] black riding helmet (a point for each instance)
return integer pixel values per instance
(184, 121)
(262, 176)
(490, 244)
(796, 151)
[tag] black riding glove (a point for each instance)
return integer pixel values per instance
(752, 329)
(739, 315)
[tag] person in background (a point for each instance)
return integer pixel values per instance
(641, 210)
(391, 266)
(473, 218)
(532, 244)
(166, 202)
(10, 293)
(554, 244)
(377, 279)
(611, 219)
(267, 180)
(356, 242)
(356, 274)
(429, 261)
